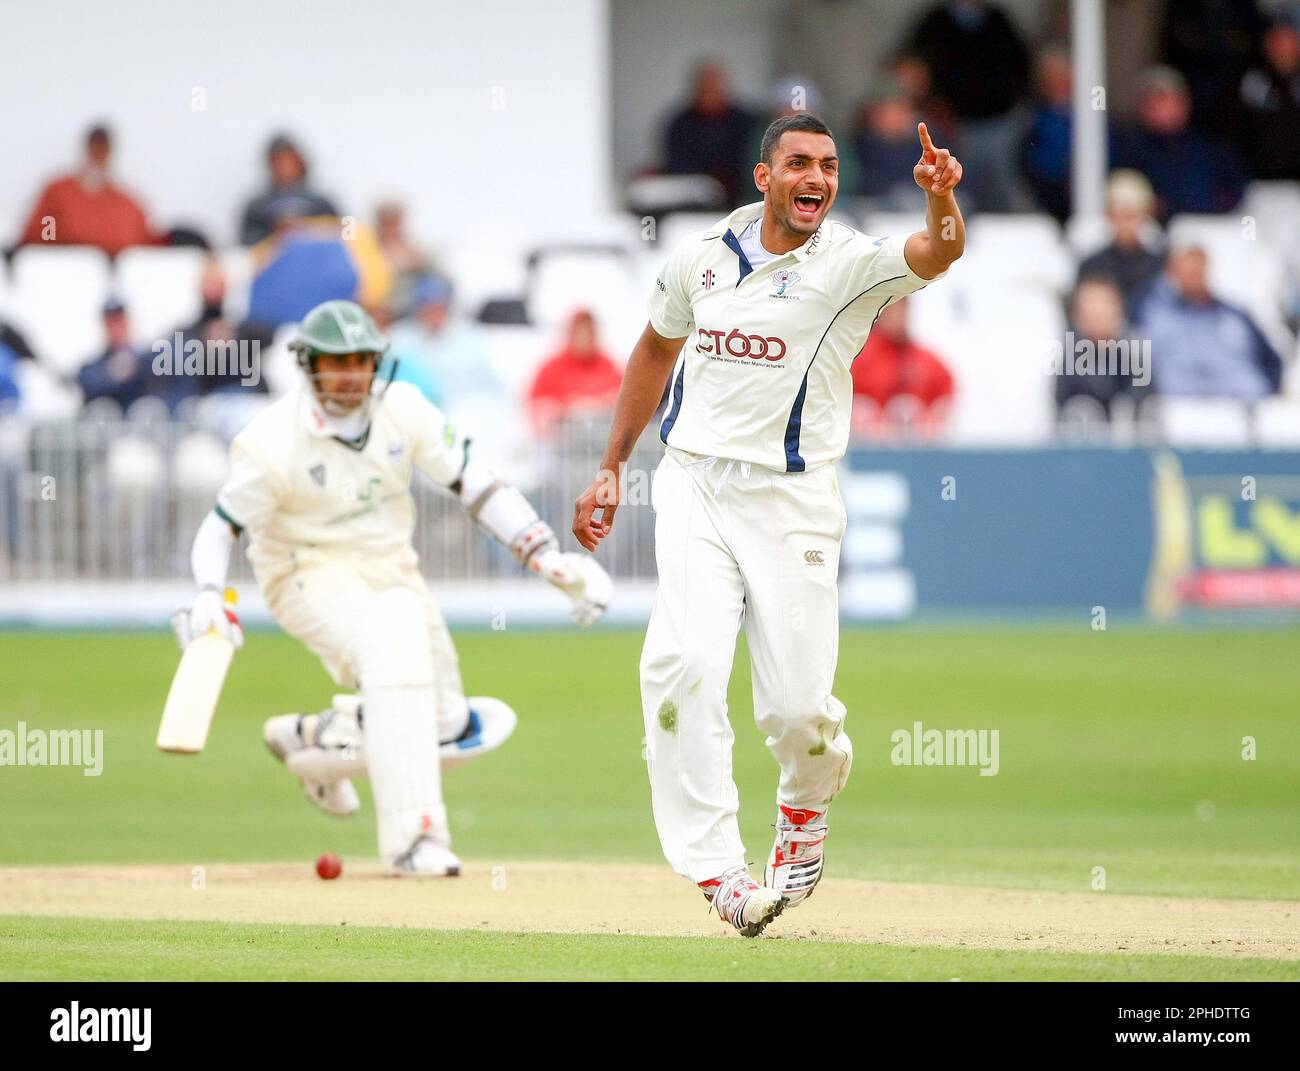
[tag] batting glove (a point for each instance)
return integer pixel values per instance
(209, 613)
(582, 579)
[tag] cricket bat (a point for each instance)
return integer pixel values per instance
(192, 699)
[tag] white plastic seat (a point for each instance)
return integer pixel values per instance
(676, 226)
(1020, 247)
(57, 299)
(879, 224)
(1204, 421)
(160, 288)
(1277, 422)
(566, 280)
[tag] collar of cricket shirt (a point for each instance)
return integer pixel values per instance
(734, 225)
(322, 426)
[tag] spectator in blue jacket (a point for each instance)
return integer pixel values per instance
(1202, 346)
(10, 395)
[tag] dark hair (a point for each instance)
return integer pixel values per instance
(803, 121)
(99, 132)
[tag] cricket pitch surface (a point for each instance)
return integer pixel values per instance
(608, 898)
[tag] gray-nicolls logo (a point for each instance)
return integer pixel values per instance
(76, 1023)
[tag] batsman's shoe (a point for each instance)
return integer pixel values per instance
(284, 737)
(795, 866)
(426, 858)
(490, 724)
(742, 901)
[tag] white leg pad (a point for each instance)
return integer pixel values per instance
(401, 732)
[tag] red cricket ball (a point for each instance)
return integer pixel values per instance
(329, 866)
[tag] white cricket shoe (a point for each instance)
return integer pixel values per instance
(742, 901)
(795, 866)
(426, 858)
(284, 737)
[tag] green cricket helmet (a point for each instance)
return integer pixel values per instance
(338, 327)
(341, 327)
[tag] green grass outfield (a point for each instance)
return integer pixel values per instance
(46, 949)
(1119, 749)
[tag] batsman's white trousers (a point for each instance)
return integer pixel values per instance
(740, 543)
(323, 604)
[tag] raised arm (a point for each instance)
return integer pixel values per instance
(643, 385)
(932, 251)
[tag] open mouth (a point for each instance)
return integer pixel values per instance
(808, 205)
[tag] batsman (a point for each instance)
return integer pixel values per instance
(320, 483)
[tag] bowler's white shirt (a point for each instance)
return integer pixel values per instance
(764, 374)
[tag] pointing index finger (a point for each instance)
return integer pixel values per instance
(924, 135)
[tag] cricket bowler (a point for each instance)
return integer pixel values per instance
(320, 482)
(758, 320)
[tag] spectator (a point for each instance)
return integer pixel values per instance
(1190, 171)
(287, 198)
(214, 327)
(710, 136)
(886, 151)
(10, 395)
(1045, 154)
(1269, 104)
(1211, 43)
(408, 261)
(891, 365)
(579, 376)
(1200, 345)
(1128, 261)
(442, 354)
(1097, 316)
(911, 74)
(119, 372)
(87, 207)
(980, 66)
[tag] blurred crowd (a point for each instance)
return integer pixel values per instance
(1220, 111)
(1223, 108)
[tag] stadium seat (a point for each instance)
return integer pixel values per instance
(237, 263)
(200, 464)
(1000, 357)
(160, 288)
(882, 223)
(134, 466)
(1214, 422)
(563, 280)
(673, 228)
(516, 353)
(57, 296)
(1277, 422)
(1275, 207)
(1027, 248)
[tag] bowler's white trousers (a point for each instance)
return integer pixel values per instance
(740, 543)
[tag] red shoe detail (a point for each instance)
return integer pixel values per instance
(799, 817)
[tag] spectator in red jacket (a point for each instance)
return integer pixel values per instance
(579, 376)
(87, 208)
(891, 367)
